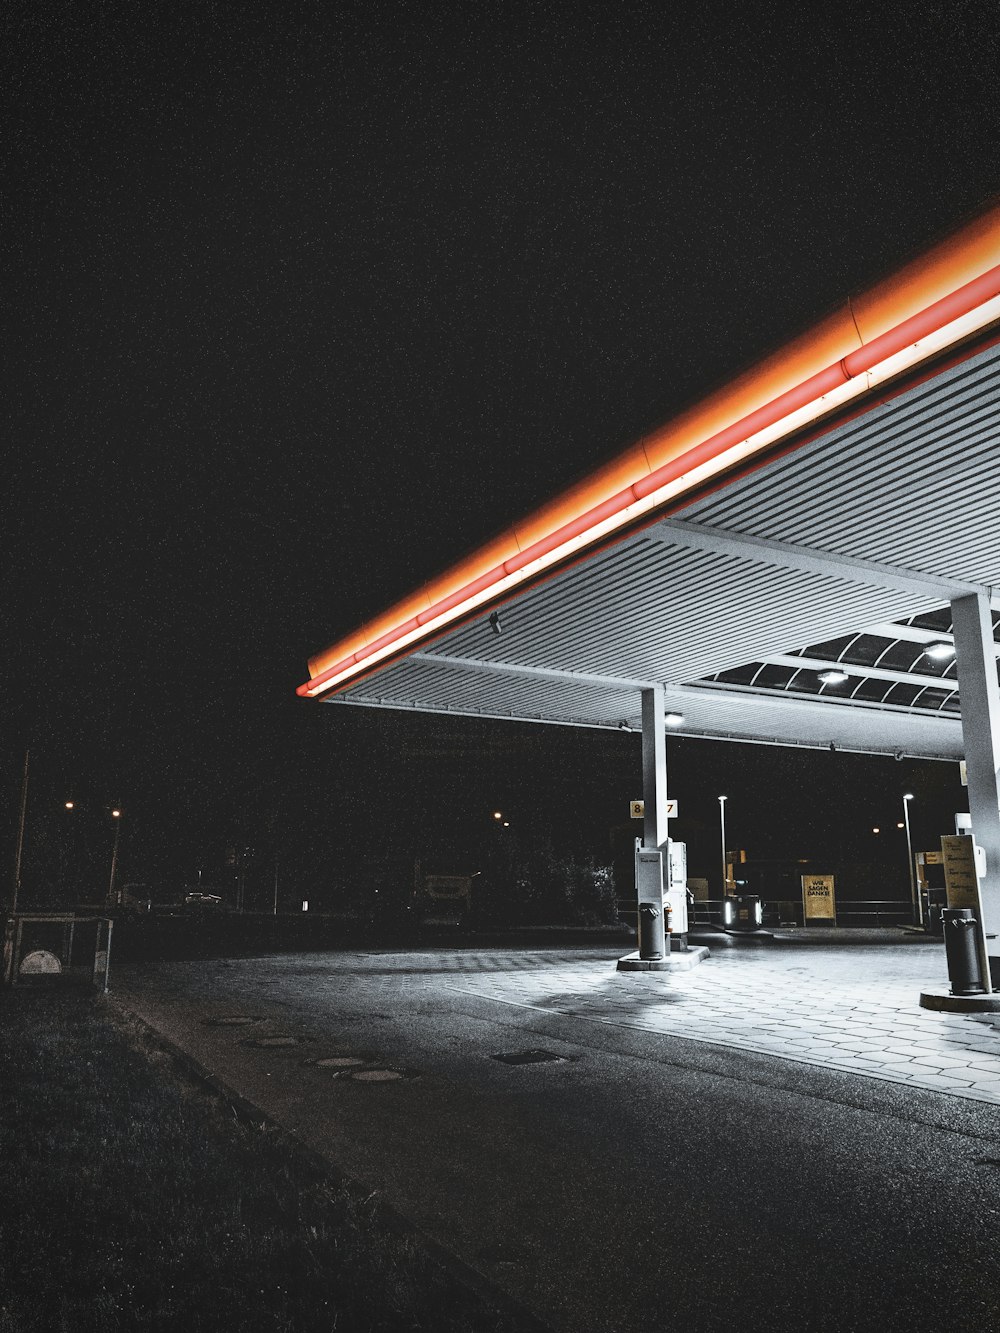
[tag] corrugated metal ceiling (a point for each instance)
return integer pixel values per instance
(913, 484)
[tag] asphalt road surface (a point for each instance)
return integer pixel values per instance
(642, 1181)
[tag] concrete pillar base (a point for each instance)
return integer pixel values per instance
(943, 1000)
(674, 962)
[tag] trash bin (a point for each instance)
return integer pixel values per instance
(961, 947)
(651, 937)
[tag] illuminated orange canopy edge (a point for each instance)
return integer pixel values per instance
(963, 257)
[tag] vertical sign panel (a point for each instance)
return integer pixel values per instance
(961, 881)
(819, 902)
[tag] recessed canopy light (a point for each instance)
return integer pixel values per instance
(673, 719)
(940, 651)
(833, 677)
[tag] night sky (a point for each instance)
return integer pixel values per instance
(303, 301)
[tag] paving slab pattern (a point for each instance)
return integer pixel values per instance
(845, 1006)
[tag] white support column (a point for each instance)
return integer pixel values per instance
(654, 947)
(654, 768)
(975, 656)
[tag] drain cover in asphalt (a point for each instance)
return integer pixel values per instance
(338, 1061)
(533, 1057)
(376, 1075)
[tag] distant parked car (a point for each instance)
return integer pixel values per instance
(197, 899)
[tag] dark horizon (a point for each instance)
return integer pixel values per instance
(302, 309)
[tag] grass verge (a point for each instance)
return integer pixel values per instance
(133, 1199)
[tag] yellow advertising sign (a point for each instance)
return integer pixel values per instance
(818, 899)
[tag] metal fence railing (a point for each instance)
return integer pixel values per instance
(859, 912)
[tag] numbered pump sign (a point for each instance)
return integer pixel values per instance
(819, 901)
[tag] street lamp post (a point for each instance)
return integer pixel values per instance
(722, 832)
(918, 907)
(20, 835)
(116, 815)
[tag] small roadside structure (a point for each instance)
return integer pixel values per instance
(57, 944)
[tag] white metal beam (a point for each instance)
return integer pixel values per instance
(789, 555)
(914, 634)
(797, 699)
(534, 672)
(868, 672)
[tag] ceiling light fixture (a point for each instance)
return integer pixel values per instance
(833, 677)
(495, 624)
(673, 719)
(940, 651)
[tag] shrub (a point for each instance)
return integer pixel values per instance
(529, 883)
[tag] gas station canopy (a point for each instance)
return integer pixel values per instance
(781, 559)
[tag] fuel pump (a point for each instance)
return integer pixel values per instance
(677, 891)
(661, 889)
(649, 892)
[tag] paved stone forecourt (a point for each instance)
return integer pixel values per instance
(752, 1143)
(849, 1003)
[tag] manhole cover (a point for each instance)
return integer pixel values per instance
(339, 1061)
(233, 1021)
(376, 1075)
(533, 1057)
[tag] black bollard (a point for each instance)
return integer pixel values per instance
(651, 937)
(962, 952)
